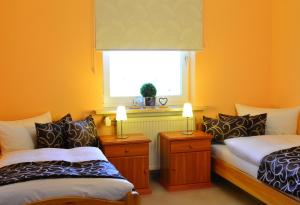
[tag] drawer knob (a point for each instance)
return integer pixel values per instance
(126, 151)
(190, 146)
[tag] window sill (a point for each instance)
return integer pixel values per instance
(149, 111)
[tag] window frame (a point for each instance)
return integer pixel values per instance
(128, 101)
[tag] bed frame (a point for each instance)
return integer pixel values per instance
(132, 198)
(251, 185)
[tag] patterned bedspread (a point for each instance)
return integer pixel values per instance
(27, 171)
(281, 170)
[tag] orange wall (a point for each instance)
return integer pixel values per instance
(46, 57)
(285, 75)
(236, 62)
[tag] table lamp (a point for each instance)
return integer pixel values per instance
(188, 113)
(121, 116)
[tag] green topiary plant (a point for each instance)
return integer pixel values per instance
(148, 90)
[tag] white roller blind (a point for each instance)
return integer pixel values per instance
(149, 24)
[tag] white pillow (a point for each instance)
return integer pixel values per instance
(281, 121)
(14, 138)
(28, 124)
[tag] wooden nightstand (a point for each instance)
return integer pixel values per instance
(185, 160)
(131, 157)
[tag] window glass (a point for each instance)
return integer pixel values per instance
(126, 71)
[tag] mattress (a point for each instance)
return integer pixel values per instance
(223, 153)
(36, 190)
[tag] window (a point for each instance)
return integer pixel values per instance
(126, 71)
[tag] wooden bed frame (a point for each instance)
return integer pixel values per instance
(132, 198)
(251, 185)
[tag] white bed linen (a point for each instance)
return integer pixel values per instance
(253, 149)
(31, 191)
(222, 152)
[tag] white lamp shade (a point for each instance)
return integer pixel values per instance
(121, 113)
(187, 110)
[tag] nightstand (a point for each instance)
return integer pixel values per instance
(185, 160)
(131, 157)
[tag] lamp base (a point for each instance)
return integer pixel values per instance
(187, 133)
(122, 136)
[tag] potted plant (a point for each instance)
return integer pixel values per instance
(148, 91)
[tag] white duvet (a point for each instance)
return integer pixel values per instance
(36, 190)
(253, 149)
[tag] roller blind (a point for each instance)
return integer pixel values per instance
(149, 24)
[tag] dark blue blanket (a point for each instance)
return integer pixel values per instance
(28, 171)
(281, 170)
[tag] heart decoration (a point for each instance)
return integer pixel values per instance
(163, 101)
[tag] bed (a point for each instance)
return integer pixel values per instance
(59, 191)
(45, 162)
(238, 162)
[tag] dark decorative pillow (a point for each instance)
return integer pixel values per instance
(52, 135)
(256, 125)
(212, 126)
(225, 117)
(82, 133)
(226, 128)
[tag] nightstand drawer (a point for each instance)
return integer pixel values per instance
(189, 146)
(126, 150)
